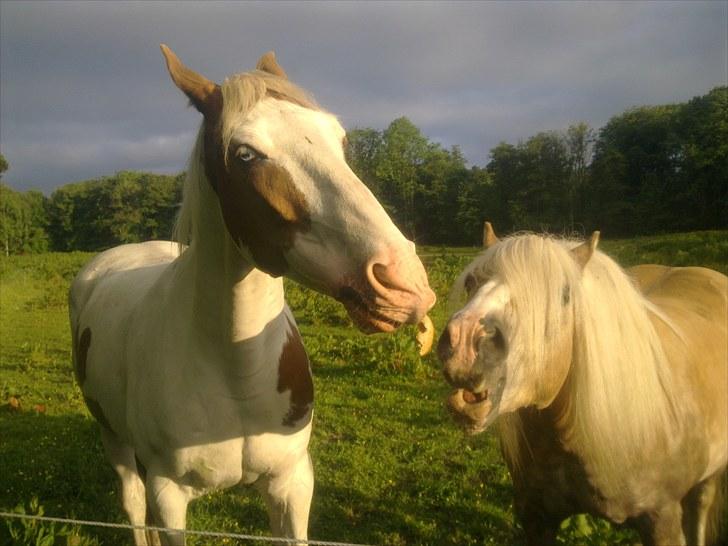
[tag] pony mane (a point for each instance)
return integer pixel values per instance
(240, 92)
(619, 395)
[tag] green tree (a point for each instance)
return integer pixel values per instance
(403, 151)
(701, 196)
(579, 141)
(22, 221)
(128, 207)
(636, 158)
(363, 152)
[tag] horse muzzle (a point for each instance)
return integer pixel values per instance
(390, 293)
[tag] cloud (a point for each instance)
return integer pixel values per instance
(84, 91)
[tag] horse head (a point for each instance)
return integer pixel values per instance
(510, 345)
(290, 202)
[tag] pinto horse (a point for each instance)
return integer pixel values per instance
(188, 356)
(609, 387)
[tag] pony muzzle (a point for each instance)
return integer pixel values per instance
(471, 410)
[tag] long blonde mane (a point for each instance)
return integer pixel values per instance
(620, 393)
(240, 92)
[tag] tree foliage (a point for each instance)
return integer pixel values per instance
(650, 169)
(125, 208)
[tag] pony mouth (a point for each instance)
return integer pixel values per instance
(367, 318)
(471, 410)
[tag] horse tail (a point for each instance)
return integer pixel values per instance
(716, 531)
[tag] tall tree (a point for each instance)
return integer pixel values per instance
(363, 152)
(579, 148)
(403, 151)
(22, 221)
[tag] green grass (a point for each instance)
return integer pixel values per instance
(390, 466)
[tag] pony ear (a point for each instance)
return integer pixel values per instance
(584, 251)
(268, 63)
(204, 94)
(489, 236)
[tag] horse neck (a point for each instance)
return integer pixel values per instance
(232, 300)
(617, 405)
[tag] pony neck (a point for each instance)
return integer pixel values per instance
(232, 299)
(620, 391)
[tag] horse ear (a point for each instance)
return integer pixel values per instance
(204, 94)
(268, 63)
(489, 236)
(584, 251)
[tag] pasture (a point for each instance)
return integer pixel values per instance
(391, 468)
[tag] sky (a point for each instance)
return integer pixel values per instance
(84, 91)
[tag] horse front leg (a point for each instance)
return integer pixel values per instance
(662, 527)
(696, 506)
(539, 526)
(133, 494)
(288, 499)
(168, 501)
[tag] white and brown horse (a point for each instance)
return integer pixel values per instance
(609, 386)
(190, 358)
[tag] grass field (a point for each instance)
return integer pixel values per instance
(390, 466)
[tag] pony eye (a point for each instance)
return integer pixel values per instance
(565, 295)
(246, 154)
(470, 283)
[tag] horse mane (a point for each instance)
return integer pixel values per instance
(620, 397)
(240, 92)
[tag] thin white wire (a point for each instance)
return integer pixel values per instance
(215, 534)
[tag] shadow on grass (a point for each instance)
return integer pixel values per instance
(345, 514)
(59, 461)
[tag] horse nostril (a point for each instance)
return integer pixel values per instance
(444, 347)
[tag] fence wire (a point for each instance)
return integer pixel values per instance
(191, 532)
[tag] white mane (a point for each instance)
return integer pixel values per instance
(620, 392)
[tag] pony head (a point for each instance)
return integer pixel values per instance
(510, 345)
(274, 163)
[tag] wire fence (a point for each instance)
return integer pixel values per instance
(185, 532)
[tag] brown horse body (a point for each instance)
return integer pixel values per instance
(661, 480)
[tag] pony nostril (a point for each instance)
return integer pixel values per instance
(448, 376)
(444, 347)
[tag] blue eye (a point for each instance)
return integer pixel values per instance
(245, 153)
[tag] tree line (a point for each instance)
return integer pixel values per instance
(650, 169)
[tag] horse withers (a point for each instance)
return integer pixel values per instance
(608, 387)
(188, 356)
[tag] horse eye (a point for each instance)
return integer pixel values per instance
(245, 154)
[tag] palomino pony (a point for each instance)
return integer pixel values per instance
(190, 359)
(610, 385)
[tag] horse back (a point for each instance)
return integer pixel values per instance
(695, 302)
(102, 299)
(695, 289)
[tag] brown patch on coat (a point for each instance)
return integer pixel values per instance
(95, 408)
(294, 374)
(82, 347)
(261, 206)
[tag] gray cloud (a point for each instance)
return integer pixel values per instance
(84, 92)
